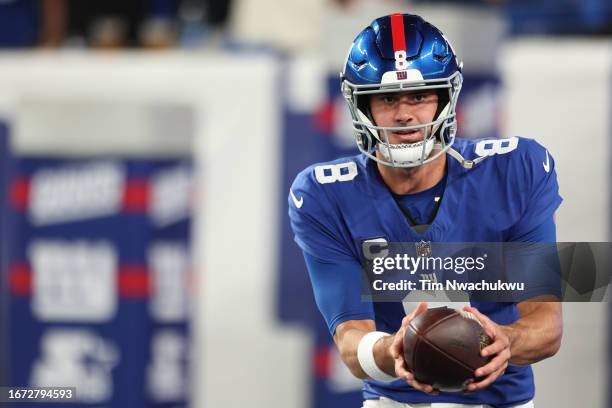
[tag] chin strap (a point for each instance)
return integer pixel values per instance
(468, 164)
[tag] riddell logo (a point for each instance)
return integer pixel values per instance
(401, 75)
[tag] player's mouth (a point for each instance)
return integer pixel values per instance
(407, 136)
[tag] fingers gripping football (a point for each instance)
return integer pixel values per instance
(396, 350)
(499, 349)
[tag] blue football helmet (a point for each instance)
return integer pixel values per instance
(399, 53)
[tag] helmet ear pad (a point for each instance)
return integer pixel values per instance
(443, 105)
(363, 105)
(443, 100)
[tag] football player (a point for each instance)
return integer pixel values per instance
(415, 182)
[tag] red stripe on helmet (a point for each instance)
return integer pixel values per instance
(398, 33)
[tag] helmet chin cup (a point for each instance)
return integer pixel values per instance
(406, 154)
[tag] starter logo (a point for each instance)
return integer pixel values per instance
(77, 358)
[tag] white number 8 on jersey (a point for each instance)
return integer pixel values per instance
(496, 146)
(331, 173)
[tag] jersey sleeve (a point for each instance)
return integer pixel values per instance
(536, 262)
(334, 269)
(536, 183)
(317, 222)
(545, 232)
(337, 290)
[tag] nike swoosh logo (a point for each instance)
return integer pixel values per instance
(298, 203)
(547, 164)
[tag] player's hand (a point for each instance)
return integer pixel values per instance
(499, 349)
(397, 351)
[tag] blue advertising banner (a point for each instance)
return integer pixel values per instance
(97, 274)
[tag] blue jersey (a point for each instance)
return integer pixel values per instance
(334, 207)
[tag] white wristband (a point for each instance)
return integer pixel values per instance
(365, 355)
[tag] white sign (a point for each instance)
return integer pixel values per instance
(171, 194)
(76, 192)
(73, 280)
(167, 373)
(169, 265)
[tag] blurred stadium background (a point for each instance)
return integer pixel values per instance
(147, 149)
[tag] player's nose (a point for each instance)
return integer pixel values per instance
(404, 113)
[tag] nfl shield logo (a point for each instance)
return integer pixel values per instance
(423, 248)
(401, 75)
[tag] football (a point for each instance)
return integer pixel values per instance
(442, 348)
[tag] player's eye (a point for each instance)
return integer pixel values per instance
(419, 97)
(389, 99)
